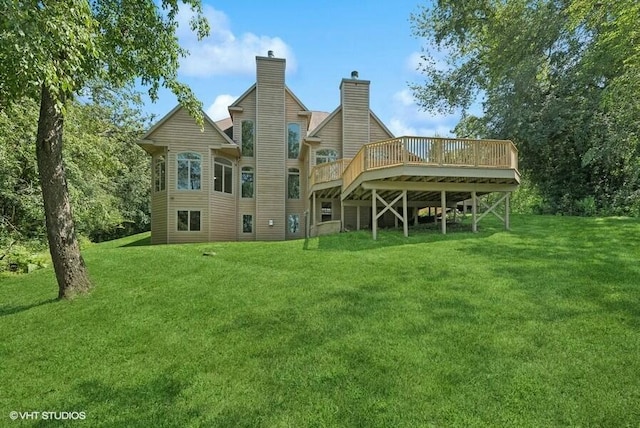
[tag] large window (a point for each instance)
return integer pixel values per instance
(326, 155)
(247, 223)
(189, 171)
(293, 184)
(246, 182)
(293, 140)
(294, 223)
(326, 211)
(222, 175)
(160, 169)
(247, 138)
(189, 220)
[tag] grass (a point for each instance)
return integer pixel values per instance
(535, 327)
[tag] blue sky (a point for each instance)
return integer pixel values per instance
(322, 43)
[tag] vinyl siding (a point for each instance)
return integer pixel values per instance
(182, 134)
(249, 113)
(377, 132)
(331, 135)
(159, 217)
(354, 95)
(270, 150)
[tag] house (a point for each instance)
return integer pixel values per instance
(276, 170)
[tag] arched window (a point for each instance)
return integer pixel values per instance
(160, 170)
(222, 175)
(246, 182)
(189, 171)
(293, 184)
(326, 155)
(293, 140)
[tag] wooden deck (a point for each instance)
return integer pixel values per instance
(422, 172)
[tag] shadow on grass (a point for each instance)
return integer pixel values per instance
(143, 242)
(153, 402)
(363, 240)
(10, 310)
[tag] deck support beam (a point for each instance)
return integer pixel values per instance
(313, 213)
(474, 211)
(443, 205)
(492, 209)
(388, 206)
(358, 217)
(374, 214)
(341, 217)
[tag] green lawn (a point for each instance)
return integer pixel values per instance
(535, 327)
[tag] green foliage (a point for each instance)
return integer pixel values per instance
(108, 175)
(537, 327)
(560, 79)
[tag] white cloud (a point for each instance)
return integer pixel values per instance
(218, 110)
(414, 62)
(222, 52)
(407, 118)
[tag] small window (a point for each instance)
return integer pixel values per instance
(247, 223)
(294, 223)
(293, 140)
(326, 155)
(247, 138)
(326, 211)
(293, 184)
(189, 171)
(160, 169)
(189, 221)
(222, 175)
(246, 182)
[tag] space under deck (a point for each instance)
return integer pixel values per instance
(418, 172)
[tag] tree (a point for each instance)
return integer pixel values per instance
(50, 50)
(546, 72)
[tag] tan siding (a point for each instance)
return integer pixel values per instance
(350, 217)
(377, 132)
(223, 217)
(188, 199)
(249, 113)
(159, 217)
(270, 150)
(355, 115)
(331, 135)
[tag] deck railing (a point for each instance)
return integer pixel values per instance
(328, 171)
(431, 152)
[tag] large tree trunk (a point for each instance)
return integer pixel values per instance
(68, 264)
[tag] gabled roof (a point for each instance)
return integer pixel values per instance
(228, 143)
(323, 123)
(296, 99)
(373, 115)
(246, 93)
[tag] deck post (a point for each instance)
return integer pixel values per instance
(374, 214)
(358, 217)
(341, 216)
(313, 215)
(405, 214)
(507, 219)
(443, 205)
(474, 211)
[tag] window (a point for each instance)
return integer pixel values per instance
(247, 138)
(246, 182)
(247, 223)
(222, 175)
(294, 223)
(326, 155)
(293, 184)
(189, 171)
(326, 211)
(189, 221)
(161, 174)
(293, 140)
